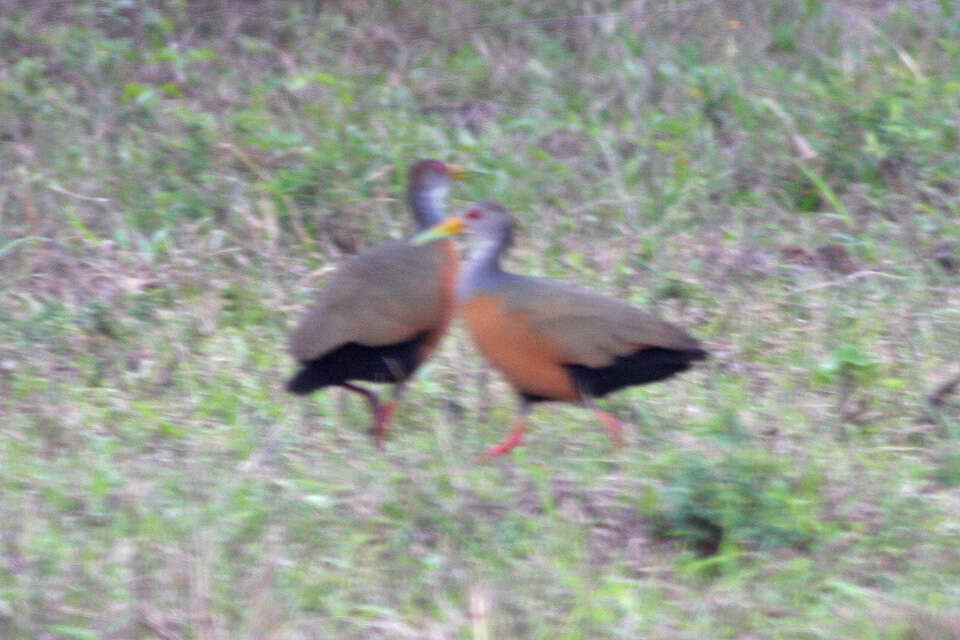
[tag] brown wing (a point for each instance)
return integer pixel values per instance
(590, 329)
(386, 295)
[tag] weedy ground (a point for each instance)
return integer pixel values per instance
(782, 178)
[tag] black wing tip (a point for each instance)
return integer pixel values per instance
(352, 361)
(300, 384)
(646, 365)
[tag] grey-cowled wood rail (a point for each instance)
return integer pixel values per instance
(384, 310)
(553, 340)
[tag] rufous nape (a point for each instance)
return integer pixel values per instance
(384, 310)
(553, 340)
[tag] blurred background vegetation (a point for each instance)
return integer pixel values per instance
(780, 177)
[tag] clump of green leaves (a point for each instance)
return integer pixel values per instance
(743, 497)
(847, 363)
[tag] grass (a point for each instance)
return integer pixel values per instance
(177, 179)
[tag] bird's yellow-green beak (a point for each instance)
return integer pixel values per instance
(445, 229)
(456, 171)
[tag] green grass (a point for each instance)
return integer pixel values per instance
(177, 179)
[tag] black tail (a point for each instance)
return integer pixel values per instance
(389, 363)
(640, 367)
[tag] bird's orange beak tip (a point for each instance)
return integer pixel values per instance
(447, 228)
(457, 172)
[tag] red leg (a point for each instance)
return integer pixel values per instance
(613, 425)
(507, 444)
(381, 420)
(382, 412)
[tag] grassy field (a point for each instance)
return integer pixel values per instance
(781, 178)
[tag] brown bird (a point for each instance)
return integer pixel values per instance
(384, 310)
(553, 340)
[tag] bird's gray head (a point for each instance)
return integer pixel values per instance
(489, 223)
(428, 186)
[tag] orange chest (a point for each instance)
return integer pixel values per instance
(449, 265)
(514, 346)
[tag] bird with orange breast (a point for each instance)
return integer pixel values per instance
(553, 340)
(384, 310)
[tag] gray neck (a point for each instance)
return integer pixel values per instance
(427, 206)
(482, 271)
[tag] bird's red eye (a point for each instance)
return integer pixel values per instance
(474, 214)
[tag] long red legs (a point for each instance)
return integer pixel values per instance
(610, 421)
(382, 411)
(385, 415)
(613, 425)
(513, 439)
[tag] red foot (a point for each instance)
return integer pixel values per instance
(614, 426)
(507, 444)
(381, 421)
